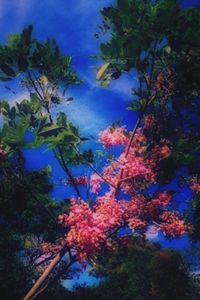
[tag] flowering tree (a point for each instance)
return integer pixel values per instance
(91, 229)
(132, 172)
(145, 38)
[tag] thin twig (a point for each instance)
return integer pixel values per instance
(94, 169)
(66, 169)
(34, 85)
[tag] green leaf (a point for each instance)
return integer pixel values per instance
(48, 169)
(44, 80)
(4, 107)
(26, 35)
(12, 113)
(37, 143)
(61, 119)
(167, 49)
(136, 105)
(74, 130)
(16, 136)
(35, 102)
(50, 130)
(105, 83)
(7, 70)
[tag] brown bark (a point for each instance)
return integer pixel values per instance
(45, 274)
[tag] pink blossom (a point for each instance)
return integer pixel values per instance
(160, 152)
(149, 121)
(95, 182)
(113, 136)
(90, 229)
(172, 224)
(195, 184)
(136, 223)
(79, 180)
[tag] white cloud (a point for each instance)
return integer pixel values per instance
(152, 233)
(79, 112)
(123, 85)
(89, 121)
(18, 97)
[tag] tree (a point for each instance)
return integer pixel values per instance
(148, 37)
(28, 217)
(160, 42)
(144, 36)
(89, 230)
(46, 74)
(140, 270)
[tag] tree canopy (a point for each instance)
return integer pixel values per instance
(133, 189)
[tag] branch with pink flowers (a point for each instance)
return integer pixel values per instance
(91, 229)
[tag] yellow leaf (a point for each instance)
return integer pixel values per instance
(27, 244)
(102, 71)
(44, 80)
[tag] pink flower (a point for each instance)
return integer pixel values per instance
(113, 136)
(195, 184)
(149, 121)
(90, 229)
(172, 224)
(136, 223)
(80, 180)
(161, 151)
(162, 199)
(95, 182)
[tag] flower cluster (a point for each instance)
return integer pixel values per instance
(80, 180)
(195, 184)
(95, 182)
(162, 150)
(3, 154)
(91, 228)
(149, 121)
(135, 169)
(172, 224)
(164, 84)
(113, 136)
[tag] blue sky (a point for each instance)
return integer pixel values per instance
(73, 23)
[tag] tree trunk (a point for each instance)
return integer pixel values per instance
(45, 274)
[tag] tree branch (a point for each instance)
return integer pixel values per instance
(66, 169)
(46, 273)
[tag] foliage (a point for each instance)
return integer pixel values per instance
(160, 42)
(24, 53)
(45, 73)
(144, 30)
(147, 36)
(141, 270)
(28, 216)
